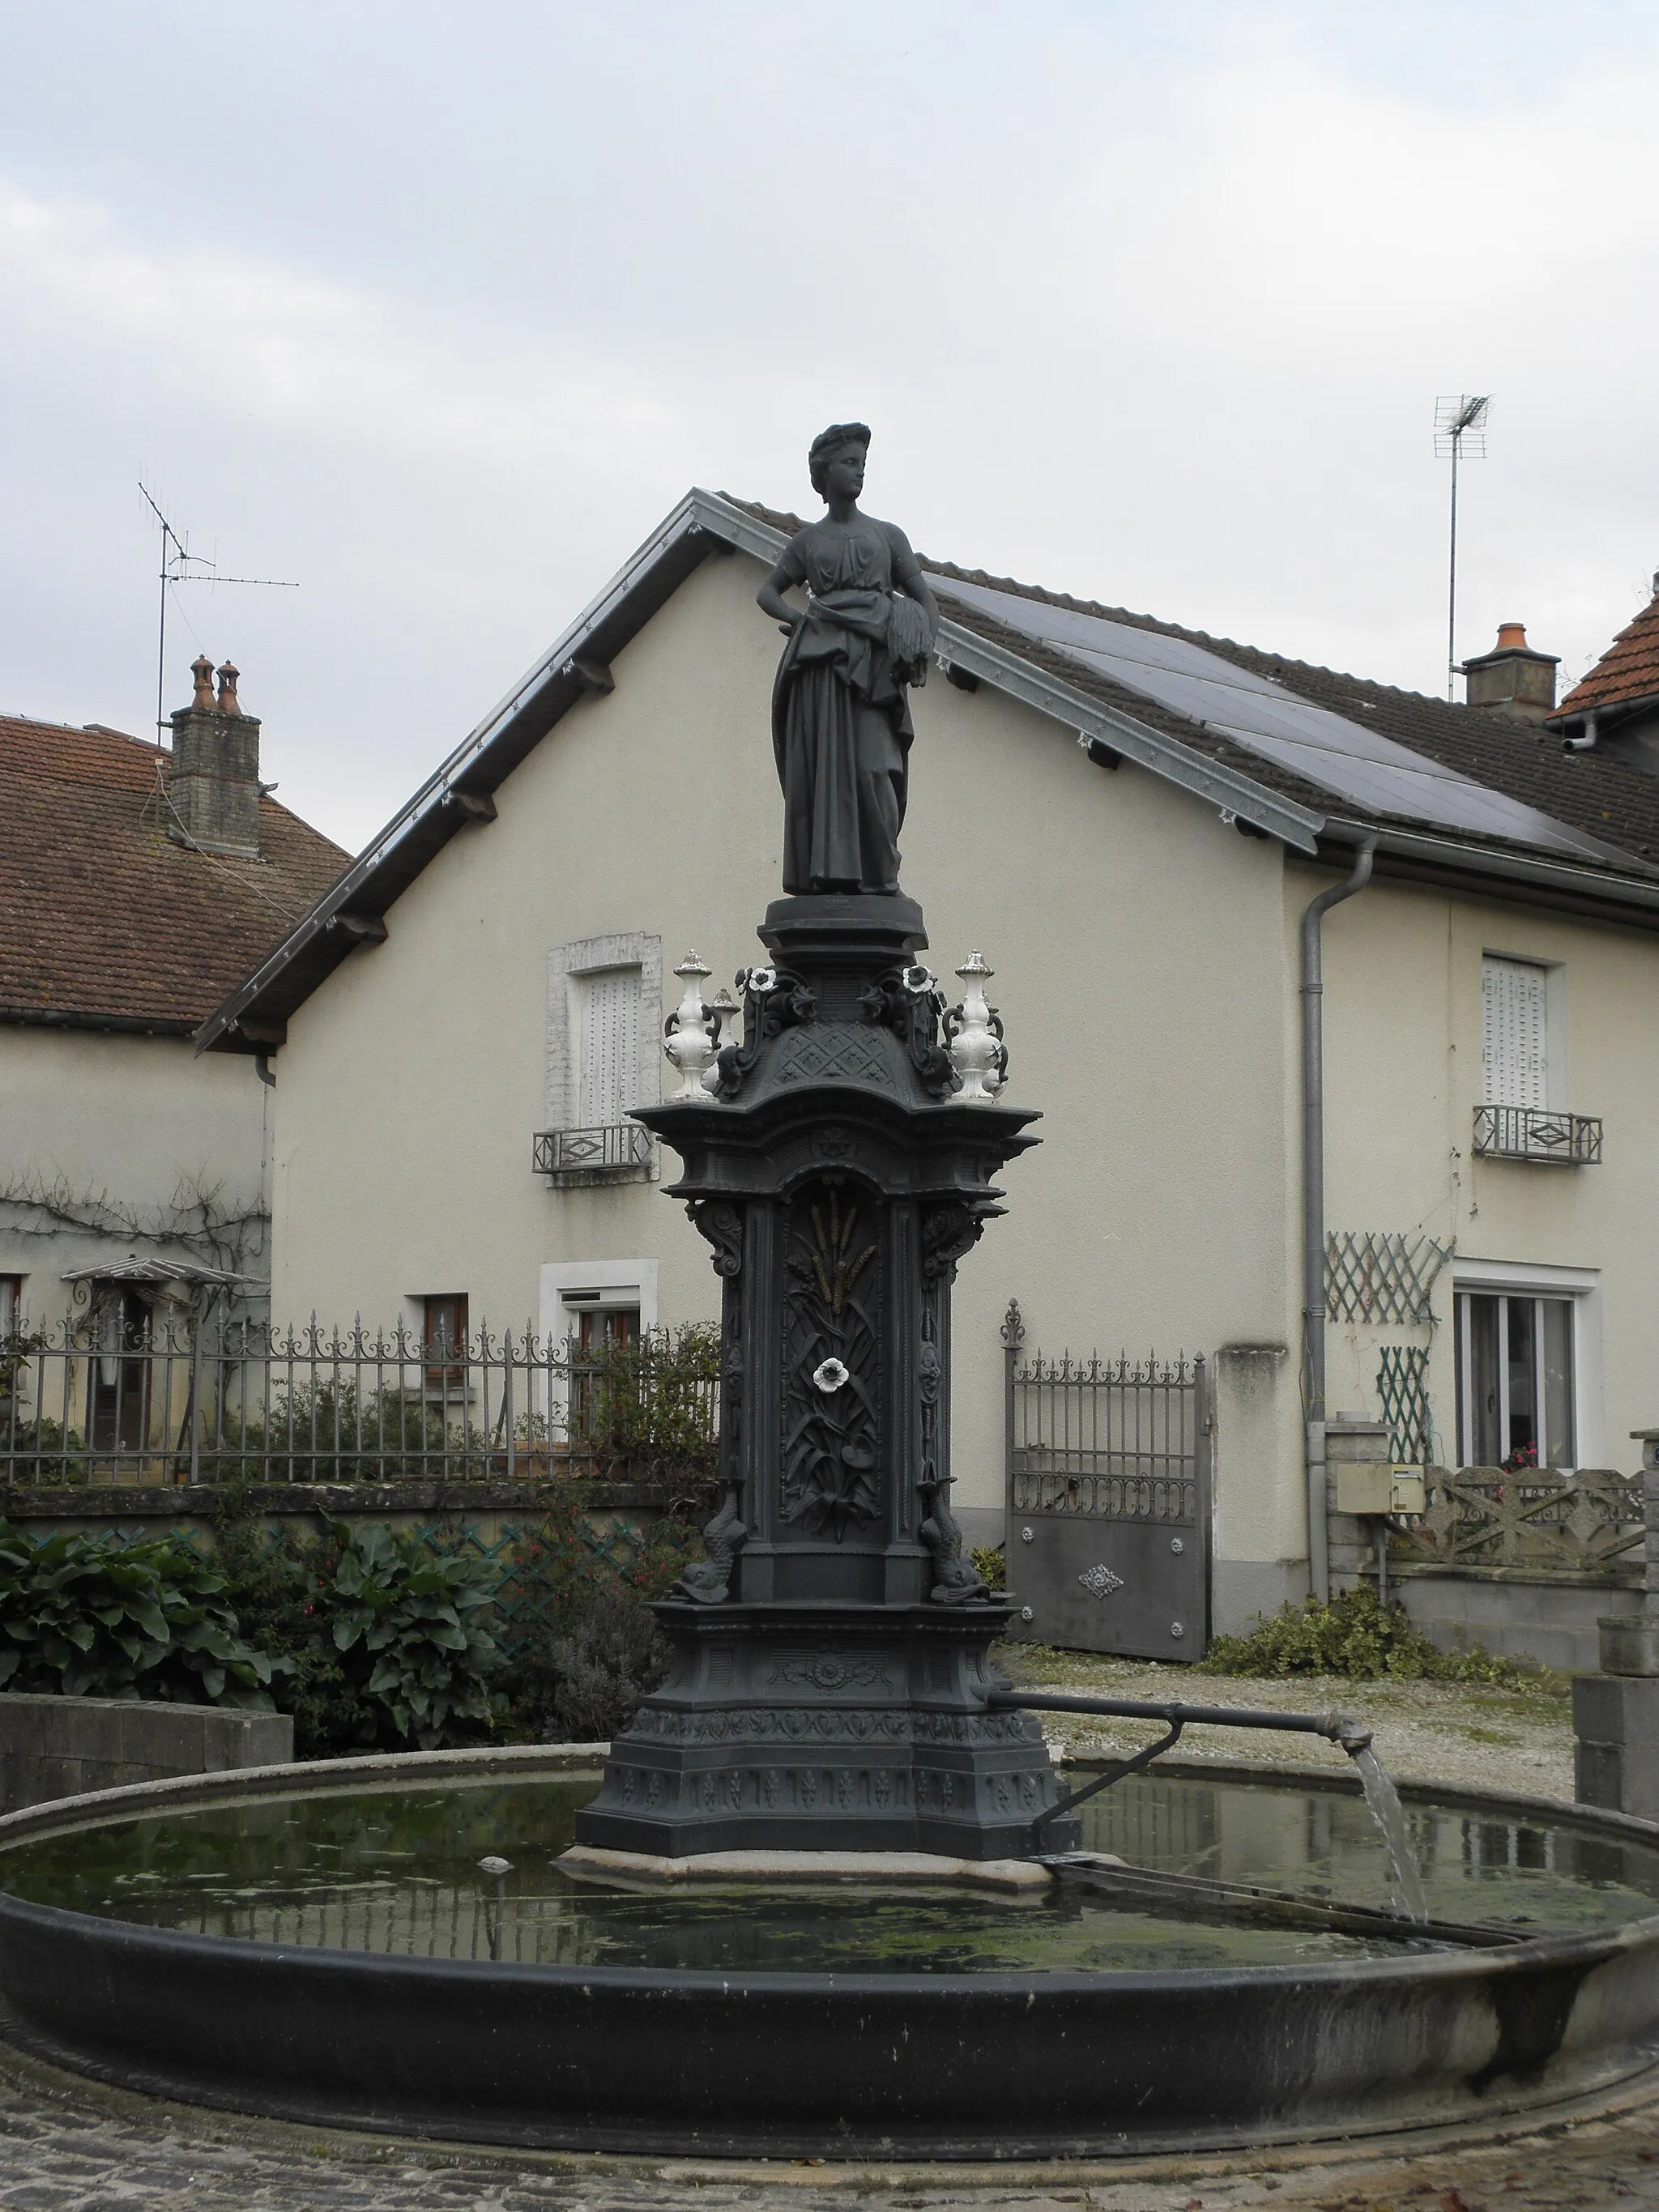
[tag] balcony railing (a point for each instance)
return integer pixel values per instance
(1538, 1133)
(619, 1148)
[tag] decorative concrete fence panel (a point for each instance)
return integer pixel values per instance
(1524, 1562)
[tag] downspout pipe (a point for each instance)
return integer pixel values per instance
(1313, 1206)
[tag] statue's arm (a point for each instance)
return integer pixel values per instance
(909, 576)
(791, 570)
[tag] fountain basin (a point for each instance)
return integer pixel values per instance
(226, 1940)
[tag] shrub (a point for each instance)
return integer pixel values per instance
(271, 1581)
(44, 1452)
(331, 1431)
(992, 1563)
(649, 1408)
(384, 1637)
(581, 1648)
(99, 1617)
(597, 1673)
(400, 1616)
(1355, 1636)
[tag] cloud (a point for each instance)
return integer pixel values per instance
(1147, 306)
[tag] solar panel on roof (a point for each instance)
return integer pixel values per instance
(1357, 764)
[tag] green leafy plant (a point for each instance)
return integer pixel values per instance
(402, 1619)
(86, 1616)
(330, 1430)
(647, 1409)
(17, 1348)
(1355, 1636)
(993, 1565)
(39, 1450)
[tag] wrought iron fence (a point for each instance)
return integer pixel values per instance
(1535, 1133)
(100, 1399)
(1105, 1438)
(1590, 1524)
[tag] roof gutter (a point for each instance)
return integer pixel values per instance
(52, 1017)
(1482, 870)
(1596, 719)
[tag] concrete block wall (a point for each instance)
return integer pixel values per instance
(62, 1746)
(1549, 1621)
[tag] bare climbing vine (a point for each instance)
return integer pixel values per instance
(219, 1228)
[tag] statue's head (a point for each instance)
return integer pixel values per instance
(829, 445)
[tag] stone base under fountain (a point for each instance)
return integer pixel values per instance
(827, 1726)
(795, 1868)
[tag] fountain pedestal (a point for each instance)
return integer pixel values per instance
(830, 1652)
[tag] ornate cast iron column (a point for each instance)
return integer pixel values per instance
(830, 1665)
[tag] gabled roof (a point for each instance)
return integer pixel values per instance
(105, 922)
(1573, 831)
(1627, 673)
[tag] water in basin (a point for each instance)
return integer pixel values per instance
(395, 1869)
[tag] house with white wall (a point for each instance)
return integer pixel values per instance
(1132, 822)
(138, 882)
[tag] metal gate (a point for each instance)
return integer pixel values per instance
(1108, 1501)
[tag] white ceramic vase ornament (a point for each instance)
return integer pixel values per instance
(977, 1053)
(689, 1032)
(723, 1010)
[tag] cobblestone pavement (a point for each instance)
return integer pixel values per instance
(72, 2146)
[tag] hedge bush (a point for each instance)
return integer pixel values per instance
(371, 1639)
(1355, 1637)
(85, 1616)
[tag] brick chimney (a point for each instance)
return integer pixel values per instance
(214, 783)
(1512, 679)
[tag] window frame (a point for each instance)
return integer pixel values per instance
(1581, 1287)
(441, 1373)
(570, 1288)
(1554, 974)
(568, 965)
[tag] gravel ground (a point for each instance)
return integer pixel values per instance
(68, 2145)
(1484, 1738)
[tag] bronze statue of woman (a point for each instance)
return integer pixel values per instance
(841, 718)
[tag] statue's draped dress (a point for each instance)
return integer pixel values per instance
(840, 717)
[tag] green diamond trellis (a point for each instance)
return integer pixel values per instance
(616, 1544)
(1402, 1388)
(1373, 1277)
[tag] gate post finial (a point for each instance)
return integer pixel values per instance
(1013, 1326)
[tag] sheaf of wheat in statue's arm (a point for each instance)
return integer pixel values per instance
(841, 712)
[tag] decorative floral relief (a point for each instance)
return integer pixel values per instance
(831, 1321)
(1101, 1582)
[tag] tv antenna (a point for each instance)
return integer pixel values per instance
(180, 566)
(1460, 433)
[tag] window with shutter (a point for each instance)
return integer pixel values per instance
(1514, 1059)
(607, 1045)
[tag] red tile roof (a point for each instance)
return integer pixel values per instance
(103, 916)
(1627, 670)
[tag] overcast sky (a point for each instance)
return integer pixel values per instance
(437, 310)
